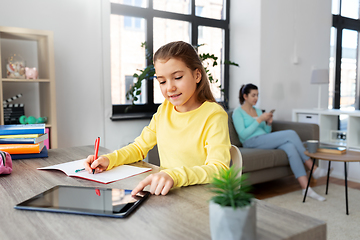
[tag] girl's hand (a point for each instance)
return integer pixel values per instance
(265, 117)
(100, 164)
(160, 183)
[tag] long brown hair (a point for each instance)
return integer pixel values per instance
(185, 52)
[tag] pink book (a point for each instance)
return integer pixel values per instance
(46, 141)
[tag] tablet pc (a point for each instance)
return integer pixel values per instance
(107, 202)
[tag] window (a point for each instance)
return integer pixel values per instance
(157, 22)
(344, 63)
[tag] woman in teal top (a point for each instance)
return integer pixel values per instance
(254, 130)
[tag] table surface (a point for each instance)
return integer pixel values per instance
(349, 156)
(182, 214)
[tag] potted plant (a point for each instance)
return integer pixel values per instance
(232, 209)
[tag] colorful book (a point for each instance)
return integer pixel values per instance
(42, 154)
(22, 129)
(21, 136)
(17, 140)
(76, 169)
(22, 148)
(331, 149)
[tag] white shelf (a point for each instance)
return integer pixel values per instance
(328, 121)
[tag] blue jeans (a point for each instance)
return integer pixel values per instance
(287, 140)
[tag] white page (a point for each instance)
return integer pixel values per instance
(115, 174)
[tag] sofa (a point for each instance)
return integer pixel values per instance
(262, 165)
(269, 164)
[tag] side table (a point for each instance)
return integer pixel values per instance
(349, 156)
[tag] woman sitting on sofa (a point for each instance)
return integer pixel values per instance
(254, 130)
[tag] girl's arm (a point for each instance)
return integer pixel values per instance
(135, 151)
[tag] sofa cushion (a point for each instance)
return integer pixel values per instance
(234, 138)
(257, 159)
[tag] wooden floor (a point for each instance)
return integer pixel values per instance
(290, 184)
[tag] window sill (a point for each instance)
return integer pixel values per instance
(131, 116)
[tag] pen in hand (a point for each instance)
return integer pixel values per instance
(97, 143)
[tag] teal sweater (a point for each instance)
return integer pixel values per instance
(246, 126)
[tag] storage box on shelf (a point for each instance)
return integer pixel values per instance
(328, 121)
(36, 47)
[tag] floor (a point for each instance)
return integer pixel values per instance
(290, 184)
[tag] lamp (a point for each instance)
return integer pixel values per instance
(320, 76)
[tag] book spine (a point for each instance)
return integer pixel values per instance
(22, 129)
(20, 148)
(17, 141)
(334, 151)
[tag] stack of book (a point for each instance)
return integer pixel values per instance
(23, 140)
(323, 148)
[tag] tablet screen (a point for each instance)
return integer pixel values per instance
(85, 200)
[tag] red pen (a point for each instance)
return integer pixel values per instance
(97, 143)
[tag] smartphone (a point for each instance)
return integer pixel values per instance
(272, 111)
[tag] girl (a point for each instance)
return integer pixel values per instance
(254, 130)
(189, 127)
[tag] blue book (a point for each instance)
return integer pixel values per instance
(22, 129)
(21, 140)
(42, 154)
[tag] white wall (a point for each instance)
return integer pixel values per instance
(262, 42)
(266, 36)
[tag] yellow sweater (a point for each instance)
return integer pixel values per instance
(192, 146)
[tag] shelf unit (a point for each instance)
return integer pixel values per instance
(328, 123)
(38, 46)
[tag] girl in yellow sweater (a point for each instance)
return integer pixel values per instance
(189, 127)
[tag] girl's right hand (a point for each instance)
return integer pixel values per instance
(100, 164)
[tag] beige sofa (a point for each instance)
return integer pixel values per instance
(263, 165)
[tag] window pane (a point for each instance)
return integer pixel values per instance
(176, 6)
(335, 7)
(127, 56)
(348, 69)
(350, 8)
(210, 9)
(135, 3)
(213, 38)
(165, 31)
(332, 67)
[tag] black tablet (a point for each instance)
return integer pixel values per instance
(105, 202)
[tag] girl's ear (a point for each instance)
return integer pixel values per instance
(245, 96)
(198, 75)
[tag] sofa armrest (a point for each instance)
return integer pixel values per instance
(306, 131)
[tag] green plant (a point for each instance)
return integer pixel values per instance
(149, 71)
(230, 189)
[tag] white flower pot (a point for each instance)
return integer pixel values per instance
(227, 223)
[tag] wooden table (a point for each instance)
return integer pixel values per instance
(182, 214)
(349, 156)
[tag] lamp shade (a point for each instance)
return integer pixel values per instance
(320, 76)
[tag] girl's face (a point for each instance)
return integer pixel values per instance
(252, 97)
(178, 83)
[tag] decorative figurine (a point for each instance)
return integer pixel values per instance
(31, 73)
(15, 67)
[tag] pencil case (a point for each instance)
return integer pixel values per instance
(5, 163)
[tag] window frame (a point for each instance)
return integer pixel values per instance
(145, 111)
(340, 23)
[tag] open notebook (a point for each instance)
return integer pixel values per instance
(115, 174)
